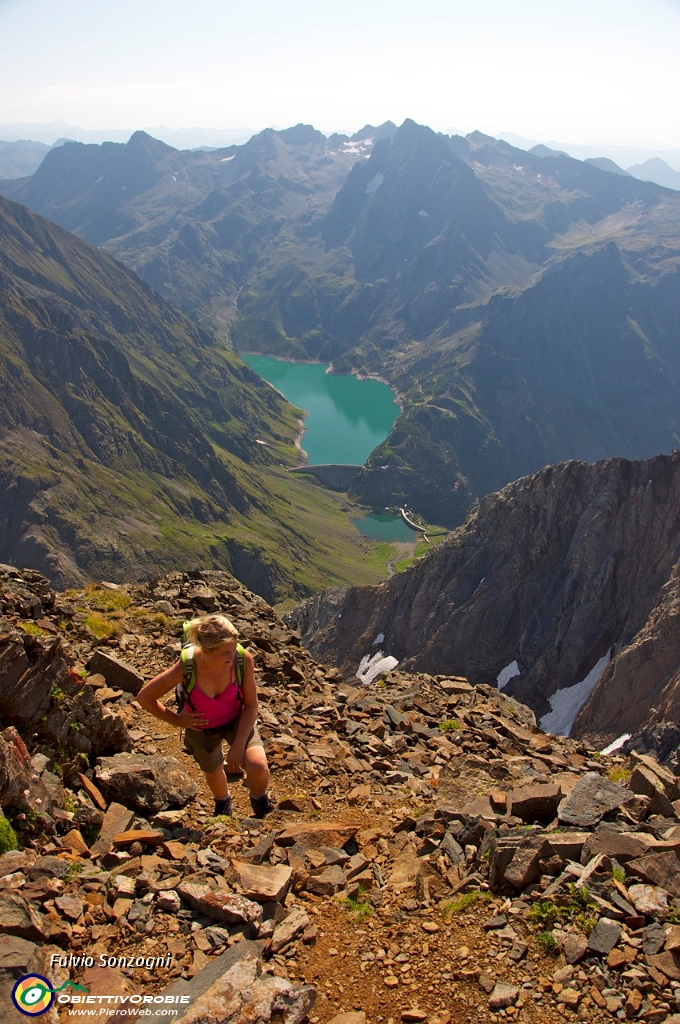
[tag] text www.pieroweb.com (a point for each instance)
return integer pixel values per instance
(122, 1011)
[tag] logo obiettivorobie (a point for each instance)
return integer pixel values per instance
(33, 995)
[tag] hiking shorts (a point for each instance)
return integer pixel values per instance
(205, 745)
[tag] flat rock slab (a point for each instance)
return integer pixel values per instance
(146, 836)
(93, 792)
(289, 929)
(15, 860)
(624, 846)
(604, 936)
(405, 870)
(116, 672)
(220, 905)
(264, 883)
(653, 939)
(314, 834)
(662, 869)
(48, 867)
(574, 948)
(15, 953)
(116, 820)
(523, 869)
(591, 798)
(668, 963)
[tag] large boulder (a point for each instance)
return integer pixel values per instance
(243, 993)
(147, 784)
(39, 690)
(21, 785)
(591, 798)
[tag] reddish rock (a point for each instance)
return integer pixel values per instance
(219, 904)
(116, 820)
(317, 833)
(668, 963)
(662, 869)
(264, 883)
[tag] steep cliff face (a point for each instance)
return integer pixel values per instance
(553, 572)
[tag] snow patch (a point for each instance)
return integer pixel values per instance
(375, 183)
(371, 667)
(423, 213)
(566, 703)
(506, 674)
(226, 159)
(100, 178)
(379, 639)
(617, 744)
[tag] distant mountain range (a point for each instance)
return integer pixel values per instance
(18, 159)
(524, 304)
(182, 138)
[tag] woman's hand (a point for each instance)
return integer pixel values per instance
(188, 719)
(235, 758)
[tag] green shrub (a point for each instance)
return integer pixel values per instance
(451, 726)
(465, 901)
(8, 837)
(358, 906)
(548, 944)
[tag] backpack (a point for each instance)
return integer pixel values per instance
(183, 689)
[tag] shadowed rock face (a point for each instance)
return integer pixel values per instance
(554, 571)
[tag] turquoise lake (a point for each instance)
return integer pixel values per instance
(347, 417)
(385, 528)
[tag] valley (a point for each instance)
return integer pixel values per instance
(523, 304)
(132, 441)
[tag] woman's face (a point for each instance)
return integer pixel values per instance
(222, 657)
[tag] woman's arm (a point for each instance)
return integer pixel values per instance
(150, 694)
(247, 718)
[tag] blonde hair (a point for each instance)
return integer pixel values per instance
(211, 631)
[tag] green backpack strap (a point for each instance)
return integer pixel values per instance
(188, 659)
(240, 665)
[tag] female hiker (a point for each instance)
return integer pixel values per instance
(217, 689)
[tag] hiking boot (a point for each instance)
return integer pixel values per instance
(224, 806)
(262, 805)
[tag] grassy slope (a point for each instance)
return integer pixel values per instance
(129, 437)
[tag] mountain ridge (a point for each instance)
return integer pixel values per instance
(551, 573)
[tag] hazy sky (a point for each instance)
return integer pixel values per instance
(604, 71)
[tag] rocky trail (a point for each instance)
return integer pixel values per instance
(434, 858)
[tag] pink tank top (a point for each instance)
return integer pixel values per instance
(218, 710)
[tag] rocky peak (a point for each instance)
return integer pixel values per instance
(552, 574)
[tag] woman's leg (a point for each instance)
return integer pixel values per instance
(257, 770)
(217, 783)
